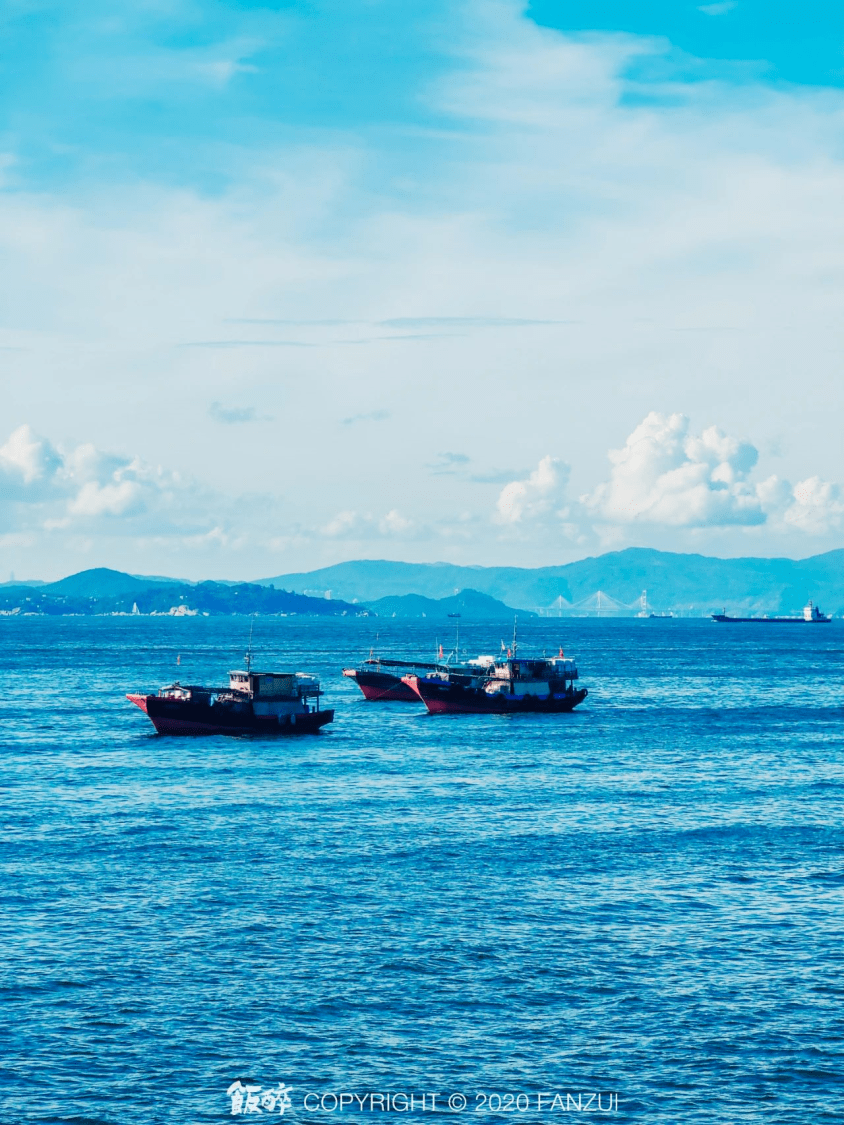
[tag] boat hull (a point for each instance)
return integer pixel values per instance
(380, 686)
(174, 716)
(723, 619)
(457, 699)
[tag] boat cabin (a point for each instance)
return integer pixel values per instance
(532, 677)
(558, 668)
(267, 686)
(812, 613)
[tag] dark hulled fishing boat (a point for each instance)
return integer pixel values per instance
(510, 686)
(253, 703)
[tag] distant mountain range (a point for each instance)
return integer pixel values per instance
(103, 591)
(693, 585)
(608, 585)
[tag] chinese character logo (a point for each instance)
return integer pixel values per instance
(254, 1099)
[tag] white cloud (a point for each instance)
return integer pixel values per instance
(535, 497)
(117, 498)
(394, 523)
(26, 458)
(665, 475)
(816, 507)
(54, 489)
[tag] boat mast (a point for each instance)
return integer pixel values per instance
(249, 653)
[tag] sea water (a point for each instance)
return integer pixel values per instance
(632, 912)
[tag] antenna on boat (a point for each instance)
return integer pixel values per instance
(249, 652)
(515, 623)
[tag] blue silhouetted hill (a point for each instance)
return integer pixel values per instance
(97, 583)
(470, 605)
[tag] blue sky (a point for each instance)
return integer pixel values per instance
(772, 39)
(291, 283)
(111, 90)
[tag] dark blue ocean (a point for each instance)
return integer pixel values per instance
(634, 912)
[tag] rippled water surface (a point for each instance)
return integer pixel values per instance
(643, 898)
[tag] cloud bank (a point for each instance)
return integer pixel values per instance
(666, 479)
(46, 489)
(667, 476)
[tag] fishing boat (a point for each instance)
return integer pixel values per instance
(512, 685)
(253, 703)
(507, 685)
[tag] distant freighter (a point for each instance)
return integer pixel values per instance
(811, 616)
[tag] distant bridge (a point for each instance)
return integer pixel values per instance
(599, 604)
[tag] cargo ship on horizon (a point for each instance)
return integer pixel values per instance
(811, 616)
